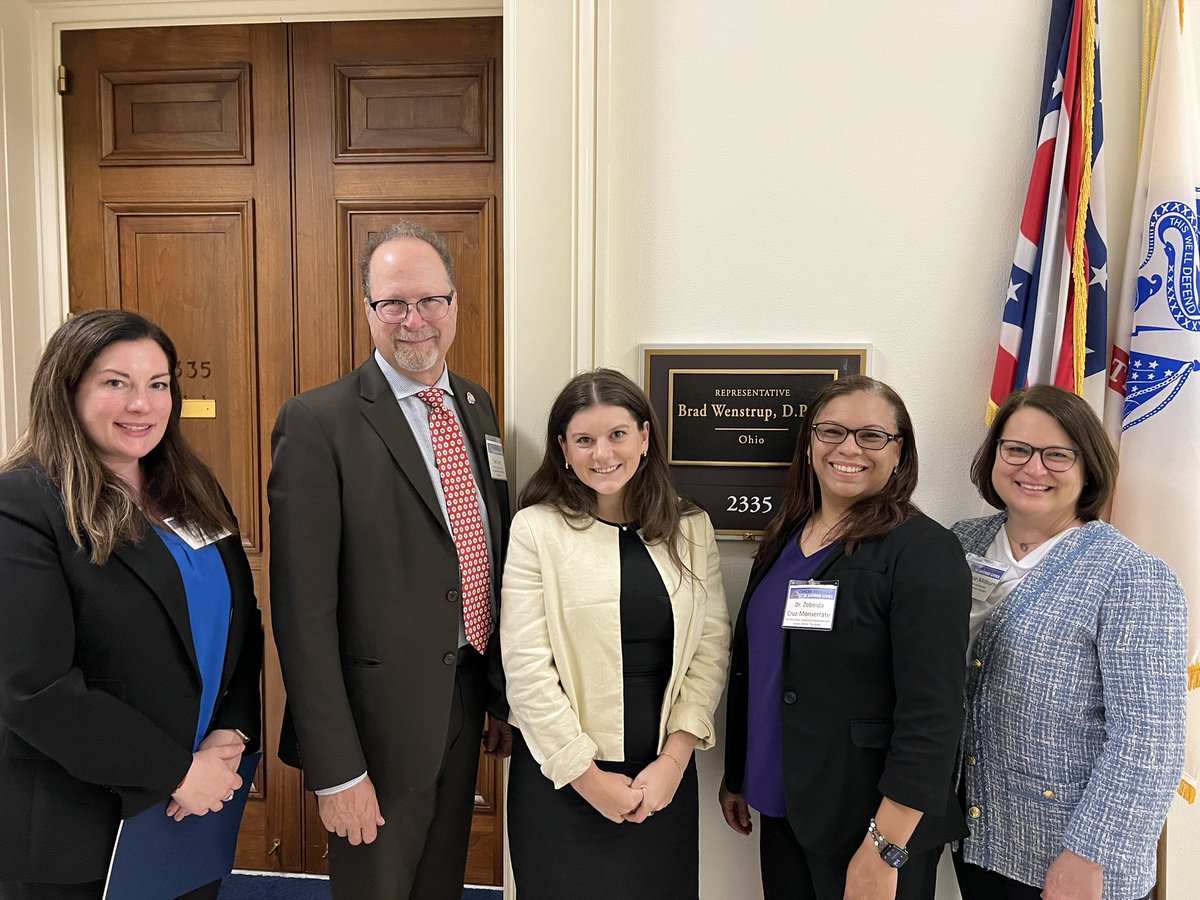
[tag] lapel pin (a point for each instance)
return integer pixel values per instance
(470, 397)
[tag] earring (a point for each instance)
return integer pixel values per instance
(645, 453)
(566, 465)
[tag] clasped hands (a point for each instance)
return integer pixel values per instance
(620, 798)
(212, 777)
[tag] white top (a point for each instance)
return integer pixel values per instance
(1000, 551)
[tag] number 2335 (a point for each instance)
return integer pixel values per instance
(749, 504)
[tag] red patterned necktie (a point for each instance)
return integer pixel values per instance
(466, 524)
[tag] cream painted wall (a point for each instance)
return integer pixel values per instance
(20, 313)
(808, 171)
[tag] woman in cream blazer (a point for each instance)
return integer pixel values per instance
(615, 635)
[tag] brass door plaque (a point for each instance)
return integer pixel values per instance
(198, 409)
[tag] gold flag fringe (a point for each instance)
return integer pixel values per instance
(1079, 269)
(1187, 791)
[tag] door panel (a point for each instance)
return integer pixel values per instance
(411, 113)
(389, 124)
(178, 117)
(192, 269)
(186, 202)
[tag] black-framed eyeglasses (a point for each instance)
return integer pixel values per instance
(393, 312)
(867, 438)
(1056, 459)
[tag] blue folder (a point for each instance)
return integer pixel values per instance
(157, 858)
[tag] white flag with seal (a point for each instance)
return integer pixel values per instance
(1157, 500)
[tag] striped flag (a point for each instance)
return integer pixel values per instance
(1054, 329)
(1154, 406)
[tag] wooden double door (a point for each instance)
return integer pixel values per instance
(221, 180)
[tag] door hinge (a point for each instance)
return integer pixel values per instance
(62, 79)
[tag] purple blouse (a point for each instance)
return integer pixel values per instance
(763, 787)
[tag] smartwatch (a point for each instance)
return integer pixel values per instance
(892, 854)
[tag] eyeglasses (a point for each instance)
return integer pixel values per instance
(393, 312)
(1056, 459)
(867, 438)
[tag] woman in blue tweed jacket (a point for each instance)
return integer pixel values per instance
(1073, 743)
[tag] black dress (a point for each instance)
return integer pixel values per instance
(561, 847)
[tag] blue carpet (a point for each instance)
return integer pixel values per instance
(272, 887)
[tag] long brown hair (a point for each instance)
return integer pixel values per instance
(869, 517)
(101, 510)
(650, 496)
(1077, 419)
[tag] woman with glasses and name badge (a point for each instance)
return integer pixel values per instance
(1076, 672)
(846, 686)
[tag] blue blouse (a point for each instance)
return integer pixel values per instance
(210, 604)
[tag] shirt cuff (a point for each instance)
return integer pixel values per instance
(337, 789)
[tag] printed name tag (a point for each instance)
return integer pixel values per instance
(985, 575)
(193, 538)
(495, 452)
(810, 605)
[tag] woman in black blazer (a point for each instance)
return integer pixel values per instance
(131, 642)
(846, 685)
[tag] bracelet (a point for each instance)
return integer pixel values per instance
(678, 764)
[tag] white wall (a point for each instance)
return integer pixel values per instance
(20, 312)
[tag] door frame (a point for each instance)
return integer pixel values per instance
(555, 171)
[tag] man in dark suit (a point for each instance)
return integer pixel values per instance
(386, 548)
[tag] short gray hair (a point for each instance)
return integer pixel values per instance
(402, 229)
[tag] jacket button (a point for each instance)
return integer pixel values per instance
(1048, 794)
(452, 596)
(450, 658)
(974, 812)
(977, 663)
(971, 760)
(789, 697)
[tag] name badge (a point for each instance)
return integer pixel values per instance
(192, 537)
(810, 605)
(985, 575)
(495, 453)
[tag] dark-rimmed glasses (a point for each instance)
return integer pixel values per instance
(1018, 453)
(867, 438)
(393, 312)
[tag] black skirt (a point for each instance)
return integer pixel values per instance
(562, 848)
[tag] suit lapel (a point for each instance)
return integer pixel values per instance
(835, 554)
(383, 413)
(152, 562)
